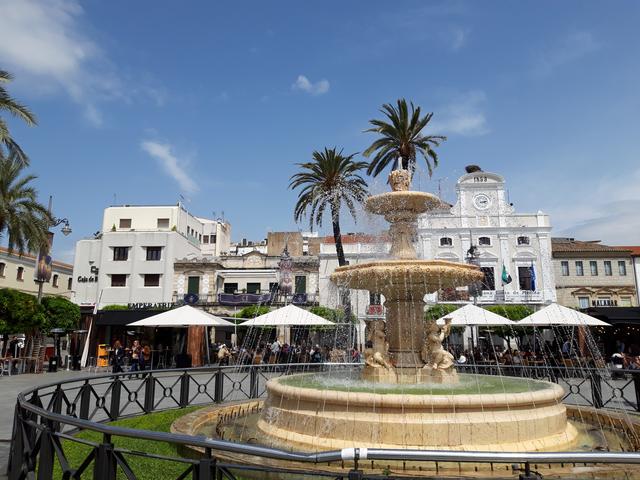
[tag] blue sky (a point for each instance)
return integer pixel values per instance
(143, 101)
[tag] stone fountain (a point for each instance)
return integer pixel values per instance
(409, 395)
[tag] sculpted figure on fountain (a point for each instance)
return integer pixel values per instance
(434, 355)
(376, 354)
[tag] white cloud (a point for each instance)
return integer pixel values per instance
(457, 38)
(461, 116)
(569, 49)
(44, 45)
(606, 209)
(302, 83)
(175, 167)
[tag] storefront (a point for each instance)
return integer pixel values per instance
(624, 329)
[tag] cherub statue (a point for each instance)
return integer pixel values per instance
(436, 357)
(375, 353)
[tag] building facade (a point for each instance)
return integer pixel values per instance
(131, 260)
(518, 243)
(18, 272)
(590, 274)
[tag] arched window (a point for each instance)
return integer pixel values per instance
(523, 240)
(484, 241)
(54, 281)
(446, 242)
(20, 274)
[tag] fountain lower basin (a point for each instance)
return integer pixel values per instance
(303, 412)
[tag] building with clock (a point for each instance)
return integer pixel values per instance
(516, 244)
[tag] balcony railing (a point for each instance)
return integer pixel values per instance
(604, 303)
(244, 299)
(490, 296)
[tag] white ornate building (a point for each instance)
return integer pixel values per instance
(482, 216)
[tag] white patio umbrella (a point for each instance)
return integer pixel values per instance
(473, 315)
(554, 315)
(185, 316)
(288, 316)
(182, 317)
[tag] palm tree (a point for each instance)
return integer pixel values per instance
(402, 138)
(330, 180)
(22, 218)
(8, 104)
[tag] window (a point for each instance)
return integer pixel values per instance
(213, 238)
(20, 274)
(564, 266)
(446, 242)
(523, 241)
(273, 287)
(3, 266)
(253, 287)
(120, 254)
(593, 265)
(524, 278)
(54, 281)
(230, 287)
(163, 223)
(152, 280)
(300, 284)
(118, 280)
(489, 280)
(193, 285)
(205, 239)
(125, 223)
(153, 253)
(579, 269)
(69, 283)
(484, 241)
(607, 268)
(374, 299)
(583, 302)
(625, 301)
(622, 268)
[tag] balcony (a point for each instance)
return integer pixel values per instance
(490, 297)
(604, 302)
(246, 299)
(522, 296)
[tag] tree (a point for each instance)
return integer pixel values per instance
(402, 138)
(22, 217)
(330, 180)
(252, 311)
(20, 312)
(11, 106)
(60, 313)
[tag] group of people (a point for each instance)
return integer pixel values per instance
(277, 352)
(139, 356)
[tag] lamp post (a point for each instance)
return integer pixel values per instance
(475, 287)
(41, 277)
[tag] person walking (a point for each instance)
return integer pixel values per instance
(117, 356)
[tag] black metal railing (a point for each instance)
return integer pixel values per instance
(46, 417)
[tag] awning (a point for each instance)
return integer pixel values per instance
(616, 315)
(182, 317)
(287, 316)
(473, 315)
(557, 315)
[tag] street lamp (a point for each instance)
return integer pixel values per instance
(44, 252)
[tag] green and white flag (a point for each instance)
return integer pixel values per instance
(506, 278)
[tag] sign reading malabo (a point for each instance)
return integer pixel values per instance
(44, 262)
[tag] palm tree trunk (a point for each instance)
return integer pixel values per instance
(337, 236)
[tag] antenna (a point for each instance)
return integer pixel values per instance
(115, 199)
(440, 188)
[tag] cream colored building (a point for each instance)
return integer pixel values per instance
(590, 274)
(17, 272)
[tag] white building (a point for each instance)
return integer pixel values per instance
(482, 216)
(132, 259)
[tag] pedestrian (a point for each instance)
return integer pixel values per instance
(117, 356)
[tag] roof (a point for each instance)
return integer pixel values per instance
(579, 246)
(635, 250)
(30, 256)
(358, 238)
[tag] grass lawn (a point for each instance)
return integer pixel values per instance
(144, 468)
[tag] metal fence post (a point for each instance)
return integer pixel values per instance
(253, 383)
(636, 385)
(16, 452)
(149, 393)
(114, 411)
(204, 470)
(104, 467)
(85, 400)
(596, 390)
(185, 380)
(218, 394)
(45, 459)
